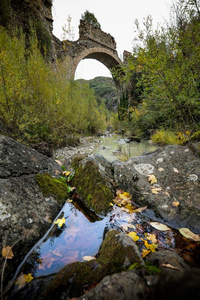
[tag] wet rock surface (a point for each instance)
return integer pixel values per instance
(177, 170)
(25, 212)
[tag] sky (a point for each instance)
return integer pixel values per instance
(115, 17)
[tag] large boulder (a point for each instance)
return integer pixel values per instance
(174, 197)
(25, 213)
(94, 181)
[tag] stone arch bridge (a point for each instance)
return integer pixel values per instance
(92, 43)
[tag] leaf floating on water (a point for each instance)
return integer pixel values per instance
(170, 267)
(88, 258)
(151, 247)
(152, 179)
(187, 233)
(159, 226)
(133, 235)
(23, 279)
(28, 277)
(7, 252)
(151, 237)
(145, 252)
(60, 222)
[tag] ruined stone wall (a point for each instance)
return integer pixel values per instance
(89, 32)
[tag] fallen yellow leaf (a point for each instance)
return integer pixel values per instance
(130, 208)
(111, 204)
(28, 277)
(7, 252)
(60, 222)
(187, 233)
(152, 179)
(151, 247)
(151, 237)
(175, 203)
(159, 226)
(133, 235)
(66, 173)
(156, 190)
(145, 252)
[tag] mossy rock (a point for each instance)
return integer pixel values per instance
(52, 186)
(115, 256)
(92, 186)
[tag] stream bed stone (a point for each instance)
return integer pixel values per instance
(26, 212)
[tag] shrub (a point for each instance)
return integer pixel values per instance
(165, 137)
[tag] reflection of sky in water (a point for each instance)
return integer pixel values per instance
(115, 142)
(77, 238)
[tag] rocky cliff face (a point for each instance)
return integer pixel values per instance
(22, 13)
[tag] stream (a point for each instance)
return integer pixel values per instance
(81, 235)
(115, 146)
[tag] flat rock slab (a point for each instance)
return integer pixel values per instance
(177, 171)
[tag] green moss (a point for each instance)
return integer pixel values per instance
(148, 268)
(92, 186)
(78, 276)
(52, 186)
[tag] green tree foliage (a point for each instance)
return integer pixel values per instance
(36, 102)
(166, 67)
(90, 18)
(105, 91)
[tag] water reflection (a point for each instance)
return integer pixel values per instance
(77, 238)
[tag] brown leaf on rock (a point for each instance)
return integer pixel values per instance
(152, 179)
(140, 209)
(175, 203)
(187, 233)
(7, 252)
(159, 226)
(170, 267)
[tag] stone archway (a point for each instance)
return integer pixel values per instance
(92, 43)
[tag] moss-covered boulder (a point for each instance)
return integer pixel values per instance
(52, 186)
(117, 253)
(91, 185)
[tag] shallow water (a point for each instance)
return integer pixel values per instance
(78, 237)
(114, 146)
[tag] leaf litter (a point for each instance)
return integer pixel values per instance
(125, 216)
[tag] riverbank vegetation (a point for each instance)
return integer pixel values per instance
(164, 72)
(36, 101)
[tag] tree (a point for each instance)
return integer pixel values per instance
(91, 19)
